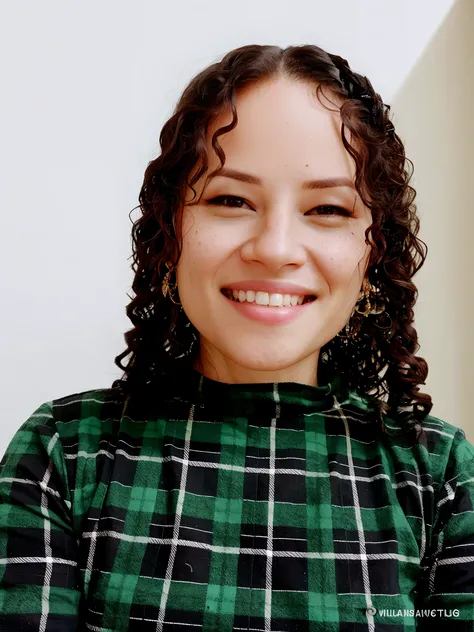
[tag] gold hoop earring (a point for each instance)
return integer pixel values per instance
(369, 294)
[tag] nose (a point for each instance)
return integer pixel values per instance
(277, 241)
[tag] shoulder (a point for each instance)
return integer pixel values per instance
(452, 463)
(66, 441)
(437, 437)
(82, 415)
(446, 443)
(86, 419)
(86, 406)
(441, 449)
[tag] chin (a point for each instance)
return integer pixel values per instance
(264, 359)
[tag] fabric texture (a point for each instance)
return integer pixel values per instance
(281, 507)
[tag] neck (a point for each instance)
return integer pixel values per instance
(225, 370)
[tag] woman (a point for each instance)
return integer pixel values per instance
(267, 461)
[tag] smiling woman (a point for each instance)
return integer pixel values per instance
(278, 212)
(267, 461)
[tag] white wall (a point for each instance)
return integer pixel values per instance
(86, 88)
(433, 111)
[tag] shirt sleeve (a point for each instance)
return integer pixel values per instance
(39, 560)
(447, 583)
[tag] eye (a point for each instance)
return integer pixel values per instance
(339, 210)
(237, 202)
(221, 199)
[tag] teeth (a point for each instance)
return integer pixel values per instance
(264, 298)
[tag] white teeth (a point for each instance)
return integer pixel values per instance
(265, 298)
(276, 300)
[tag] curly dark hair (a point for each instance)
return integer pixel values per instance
(381, 360)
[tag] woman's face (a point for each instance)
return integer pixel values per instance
(273, 230)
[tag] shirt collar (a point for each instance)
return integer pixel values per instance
(188, 385)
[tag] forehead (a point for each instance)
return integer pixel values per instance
(284, 130)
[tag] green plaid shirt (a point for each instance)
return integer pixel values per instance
(234, 507)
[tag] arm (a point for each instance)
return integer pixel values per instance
(39, 570)
(447, 581)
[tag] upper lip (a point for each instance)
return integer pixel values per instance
(272, 287)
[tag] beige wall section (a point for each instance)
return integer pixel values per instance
(433, 114)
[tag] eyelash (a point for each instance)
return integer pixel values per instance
(217, 201)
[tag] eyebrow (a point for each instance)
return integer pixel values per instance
(324, 183)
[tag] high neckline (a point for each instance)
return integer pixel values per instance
(234, 399)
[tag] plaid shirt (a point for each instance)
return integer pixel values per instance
(234, 507)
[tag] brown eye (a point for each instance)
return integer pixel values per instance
(338, 210)
(221, 200)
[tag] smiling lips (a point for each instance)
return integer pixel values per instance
(271, 287)
(271, 309)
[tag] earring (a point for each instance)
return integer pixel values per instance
(166, 286)
(370, 292)
(375, 307)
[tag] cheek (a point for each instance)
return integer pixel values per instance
(202, 253)
(208, 239)
(343, 261)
